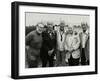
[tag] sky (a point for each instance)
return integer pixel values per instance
(32, 18)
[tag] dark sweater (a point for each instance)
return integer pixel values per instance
(34, 41)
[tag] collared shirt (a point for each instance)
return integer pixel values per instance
(60, 40)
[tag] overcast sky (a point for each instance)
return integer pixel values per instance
(71, 19)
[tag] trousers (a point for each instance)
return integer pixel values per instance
(60, 61)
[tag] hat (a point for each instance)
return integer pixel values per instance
(62, 23)
(83, 24)
(49, 23)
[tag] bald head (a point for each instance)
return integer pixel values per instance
(39, 27)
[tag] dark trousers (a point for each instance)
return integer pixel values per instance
(73, 62)
(32, 64)
(83, 58)
(47, 59)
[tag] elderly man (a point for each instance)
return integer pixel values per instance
(60, 56)
(72, 44)
(48, 46)
(33, 45)
(84, 37)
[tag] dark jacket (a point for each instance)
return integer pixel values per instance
(49, 42)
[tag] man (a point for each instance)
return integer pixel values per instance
(48, 46)
(84, 38)
(72, 44)
(33, 45)
(60, 45)
(87, 51)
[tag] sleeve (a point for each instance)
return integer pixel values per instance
(28, 38)
(66, 46)
(87, 36)
(65, 43)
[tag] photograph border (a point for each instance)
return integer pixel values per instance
(15, 39)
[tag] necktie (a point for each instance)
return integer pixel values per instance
(61, 36)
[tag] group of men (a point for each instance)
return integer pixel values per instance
(48, 46)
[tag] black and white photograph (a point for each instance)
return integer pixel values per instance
(55, 40)
(52, 40)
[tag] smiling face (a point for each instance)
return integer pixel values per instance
(62, 25)
(70, 30)
(40, 28)
(50, 27)
(84, 28)
(62, 28)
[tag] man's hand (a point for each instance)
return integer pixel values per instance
(70, 49)
(27, 47)
(50, 52)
